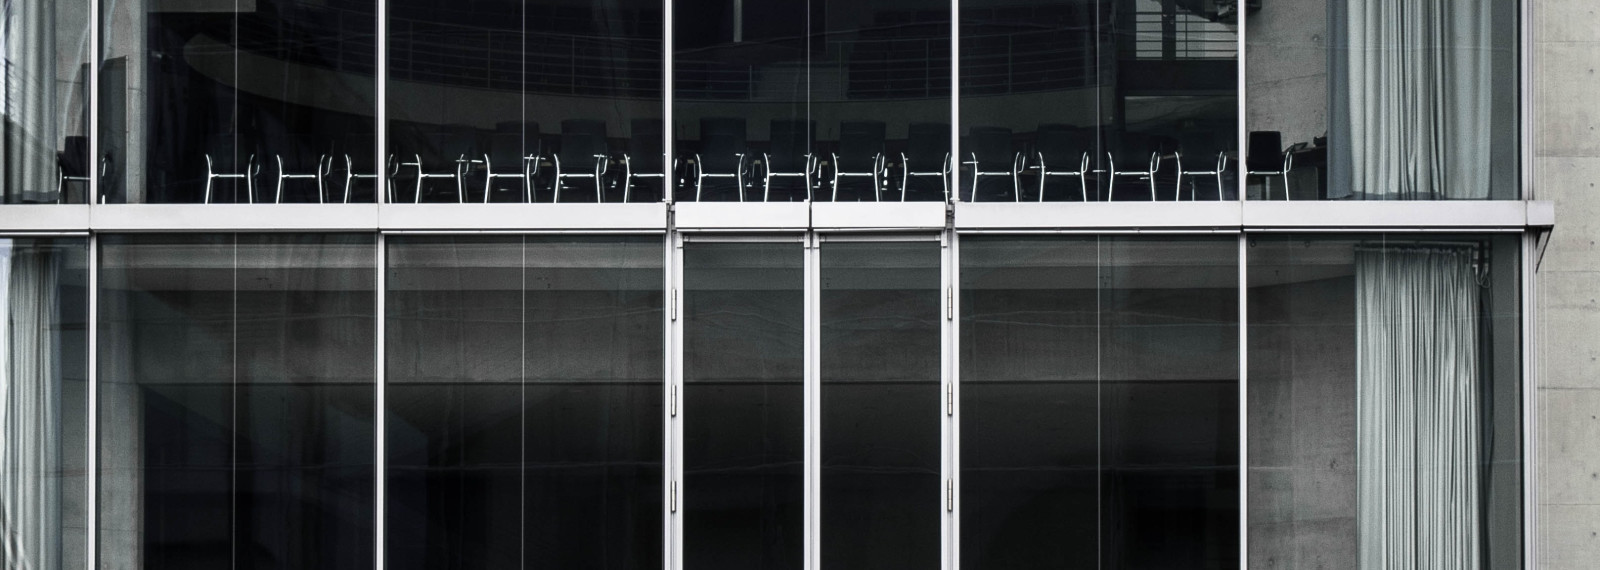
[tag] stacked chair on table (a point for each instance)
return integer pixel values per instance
(1062, 151)
(789, 156)
(991, 156)
(584, 155)
(859, 155)
(511, 154)
(721, 155)
(645, 158)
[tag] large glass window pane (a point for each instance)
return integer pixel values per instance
(44, 402)
(525, 396)
(1099, 402)
(1372, 100)
(743, 404)
(526, 100)
(1385, 401)
(238, 101)
(881, 403)
(44, 117)
(812, 99)
(1081, 100)
(236, 384)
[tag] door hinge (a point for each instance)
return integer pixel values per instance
(949, 304)
(674, 404)
(674, 305)
(674, 496)
(949, 399)
(950, 495)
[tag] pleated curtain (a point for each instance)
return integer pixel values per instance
(1417, 409)
(30, 402)
(1411, 93)
(32, 101)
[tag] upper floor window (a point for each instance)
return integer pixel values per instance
(1377, 100)
(44, 117)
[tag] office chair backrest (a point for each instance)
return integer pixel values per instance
(860, 143)
(228, 153)
(505, 151)
(1063, 146)
(1132, 151)
(722, 139)
(581, 140)
(1266, 151)
(644, 145)
(928, 146)
(791, 141)
(359, 147)
(992, 146)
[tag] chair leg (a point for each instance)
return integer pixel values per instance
(1152, 186)
(1286, 195)
(209, 178)
(1083, 187)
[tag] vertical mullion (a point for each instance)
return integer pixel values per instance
(673, 469)
(813, 399)
(92, 190)
(380, 187)
(954, 176)
(1529, 398)
(1241, 92)
(950, 372)
(380, 376)
(1244, 402)
(92, 471)
(668, 184)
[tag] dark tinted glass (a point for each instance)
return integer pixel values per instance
(45, 106)
(526, 100)
(1099, 402)
(525, 398)
(812, 99)
(1353, 101)
(881, 404)
(1323, 319)
(1098, 100)
(237, 374)
(743, 405)
(238, 101)
(44, 400)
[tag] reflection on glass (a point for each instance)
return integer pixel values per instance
(881, 396)
(1384, 372)
(743, 404)
(44, 402)
(1099, 402)
(793, 100)
(525, 100)
(1354, 101)
(1098, 100)
(236, 373)
(525, 402)
(44, 114)
(257, 101)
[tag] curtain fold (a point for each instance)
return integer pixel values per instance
(1411, 99)
(30, 404)
(1417, 409)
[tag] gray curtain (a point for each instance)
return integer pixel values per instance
(30, 404)
(1411, 99)
(32, 101)
(1417, 408)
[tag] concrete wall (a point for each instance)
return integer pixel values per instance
(1566, 169)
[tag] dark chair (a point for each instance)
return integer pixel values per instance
(72, 165)
(722, 153)
(1063, 151)
(860, 155)
(645, 157)
(1267, 158)
(790, 155)
(1201, 153)
(991, 157)
(222, 163)
(584, 154)
(303, 162)
(360, 163)
(1133, 156)
(452, 148)
(927, 155)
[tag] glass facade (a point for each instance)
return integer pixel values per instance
(236, 399)
(274, 101)
(632, 369)
(1385, 400)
